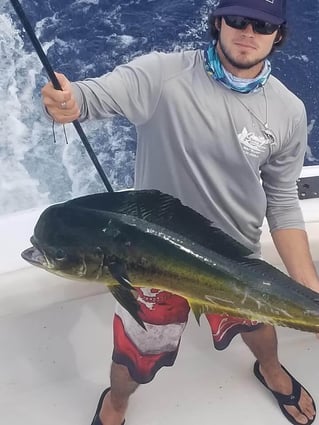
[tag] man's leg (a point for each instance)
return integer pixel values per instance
(263, 344)
(139, 354)
(116, 401)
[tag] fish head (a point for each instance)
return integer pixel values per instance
(77, 243)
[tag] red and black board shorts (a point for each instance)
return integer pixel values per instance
(165, 316)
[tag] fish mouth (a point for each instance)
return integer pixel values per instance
(35, 257)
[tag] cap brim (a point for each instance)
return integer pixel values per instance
(248, 13)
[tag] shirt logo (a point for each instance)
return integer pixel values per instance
(252, 144)
(270, 1)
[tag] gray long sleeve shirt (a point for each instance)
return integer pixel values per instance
(203, 143)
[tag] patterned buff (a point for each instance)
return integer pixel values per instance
(215, 69)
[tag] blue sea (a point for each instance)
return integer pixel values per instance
(85, 38)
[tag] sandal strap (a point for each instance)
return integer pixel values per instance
(286, 400)
(291, 399)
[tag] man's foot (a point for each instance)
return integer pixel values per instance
(294, 400)
(106, 414)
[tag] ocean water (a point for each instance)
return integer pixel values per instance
(88, 38)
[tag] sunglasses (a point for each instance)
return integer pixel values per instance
(259, 27)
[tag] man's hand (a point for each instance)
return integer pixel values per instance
(60, 104)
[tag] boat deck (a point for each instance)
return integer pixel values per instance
(56, 344)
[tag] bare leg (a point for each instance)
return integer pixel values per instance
(116, 401)
(263, 344)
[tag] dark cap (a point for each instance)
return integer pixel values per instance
(273, 11)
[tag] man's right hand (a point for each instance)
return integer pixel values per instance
(60, 104)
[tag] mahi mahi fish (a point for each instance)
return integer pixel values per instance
(146, 238)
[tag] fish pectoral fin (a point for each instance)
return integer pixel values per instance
(118, 271)
(124, 292)
(128, 301)
(198, 309)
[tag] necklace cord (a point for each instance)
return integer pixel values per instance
(267, 132)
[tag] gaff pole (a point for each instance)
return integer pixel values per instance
(45, 62)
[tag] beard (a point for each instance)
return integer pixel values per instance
(241, 63)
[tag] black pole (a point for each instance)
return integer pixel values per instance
(45, 62)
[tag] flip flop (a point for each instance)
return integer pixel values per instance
(96, 419)
(286, 400)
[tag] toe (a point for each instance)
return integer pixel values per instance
(298, 416)
(306, 405)
(307, 411)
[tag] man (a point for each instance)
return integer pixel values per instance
(210, 125)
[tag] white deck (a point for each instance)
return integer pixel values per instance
(56, 343)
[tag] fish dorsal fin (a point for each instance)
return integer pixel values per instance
(168, 212)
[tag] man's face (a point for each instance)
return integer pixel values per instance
(243, 49)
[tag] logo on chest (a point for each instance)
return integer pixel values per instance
(252, 144)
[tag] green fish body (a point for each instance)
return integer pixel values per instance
(149, 239)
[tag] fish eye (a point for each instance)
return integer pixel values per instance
(60, 255)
